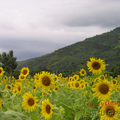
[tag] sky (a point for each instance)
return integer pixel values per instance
(32, 28)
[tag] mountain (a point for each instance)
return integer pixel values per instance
(100, 46)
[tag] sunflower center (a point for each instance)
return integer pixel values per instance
(22, 77)
(110, 111)
(56, 88)
(82, 72)
(19, 88)
(48, 109)
(46, 81)
(77, 85)
(8, 87)
(24, 72)
(104, 88)
(0, 71)
(31, 101)
(96, 65)
(114, 82)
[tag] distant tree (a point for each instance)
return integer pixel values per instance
(117, 48)
(8, 62)
(115, 70)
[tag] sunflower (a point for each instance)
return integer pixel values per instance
(1, 71)
(68, 84)
(22, 77)
(109, 110)
(12, 85)
(37, 78)
(96, 66)
(82, 86)
(60, 75)
(70, 78)
(76, 77)
(25, 71)
(8, 87)
(56, 78)
(15, 91)
(76, 85)
(18, 85)
(82, 81)
(29, 102)
(82, 72)
(56, 88)
(47, 109)
(46, 80)
(102, 89)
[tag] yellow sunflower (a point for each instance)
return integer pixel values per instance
(37, 78)
(8, 87)
(76, 85)
(1, 71)
(18, 85)
(60, 75)
(22, 77)
(102, 89)
(82, 86)
(25, 71)
(96, 65)
(29, 102)
(56, 88)
(76, 77)
(15, 91)
(46, 80)
(47, 109)
(82, 72)
(56, 78)
(70, 78)
(109, 110)
(68, 84)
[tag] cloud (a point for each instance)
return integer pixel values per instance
(33, 28)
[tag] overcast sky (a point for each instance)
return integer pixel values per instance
(32, 28)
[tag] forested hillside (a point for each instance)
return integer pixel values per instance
(70, 57)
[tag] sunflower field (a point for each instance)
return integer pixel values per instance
(48, 96)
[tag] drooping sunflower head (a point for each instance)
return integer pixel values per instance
(1, 71)
(25, 71)
(82, 72)
(29, 102)
(102, 89)
(46, 80)
(47, 109)
(109, 110)
(96, 65)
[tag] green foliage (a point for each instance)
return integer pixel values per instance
(12, 115)
(100, 46)
(9, 63)
(16, 74)
(115, 70)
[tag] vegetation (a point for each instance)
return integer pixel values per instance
(70, 57)
(8, 62)
(47, 96)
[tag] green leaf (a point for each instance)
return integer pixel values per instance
(34, 117)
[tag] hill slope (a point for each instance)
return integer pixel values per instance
(99, 46)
